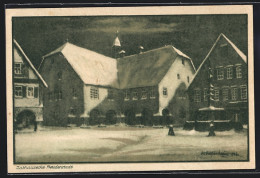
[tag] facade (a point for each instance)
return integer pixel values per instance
(154, 81)
(84, 85)
(80, 82)
(28, 106)
(229, 89)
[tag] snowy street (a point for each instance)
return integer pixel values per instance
(124, 144)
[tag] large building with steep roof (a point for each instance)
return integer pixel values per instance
(84, 84)
(229, 83)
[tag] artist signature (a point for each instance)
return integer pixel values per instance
(221, 153)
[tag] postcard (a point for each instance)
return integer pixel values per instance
(100, 89)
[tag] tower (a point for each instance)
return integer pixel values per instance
(116, 47)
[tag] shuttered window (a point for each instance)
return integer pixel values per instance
(238, 72)
(225, 94)
(234, 93)
(229, 72)
(243, 92)
(197, 96)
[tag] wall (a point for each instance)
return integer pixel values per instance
(102, 103)
(56, 111)
(223, 55)
(172, 83)
(139, 104)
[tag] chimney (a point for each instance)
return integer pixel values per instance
(141, 49)
(121, 53)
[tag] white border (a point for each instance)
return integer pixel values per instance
(160, 10)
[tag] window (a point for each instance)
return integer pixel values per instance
(94, 93)
(243, 92)
(216, 94)
(18, 91)
(18, 68)
(74, 93)
(50, 96)
(220, 74)
(178, 76)
(144, 94)
(188, 79)
(183, 62)
(234, 93)
(59, 95)
(238, 72)
(135, 95)
(30, 93)
(110, 95)
(127, 95)
(197, 96)
(229, 73)
(225, 94)
(152, 93)
(165, 92)
(72, 111)
(205, 96)
(59, 75)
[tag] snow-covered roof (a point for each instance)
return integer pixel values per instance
(147, 68)
(30, 63)
(93, 68)
(240, 53)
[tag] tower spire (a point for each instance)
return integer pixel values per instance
(116, 47)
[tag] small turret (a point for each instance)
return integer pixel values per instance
(116, 47)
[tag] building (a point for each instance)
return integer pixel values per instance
(28, 106)
(154, 83)
(84, 86)
(80, 84)
(221, 83)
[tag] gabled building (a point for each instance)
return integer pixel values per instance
(84, 86)
(225, 66)
(81, 83)
(27, 89)
(154, 82)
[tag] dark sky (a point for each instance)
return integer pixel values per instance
(194, 35)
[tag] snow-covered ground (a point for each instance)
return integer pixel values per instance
(122, 144)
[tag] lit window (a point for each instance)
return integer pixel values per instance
(197, 96)
(229, 73)
(18, 91)
(234, 93)
(152, 93)
(94, 93)
(216, 95)
(205, 94)
(244, 92)
(135, 95)
(144, 94)
(127, 95)
(188, 79)
(225, 94)
(30, 92)
(165, 92)
(18, 68)
(178, 76)
(220, 74)
(238, 72)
